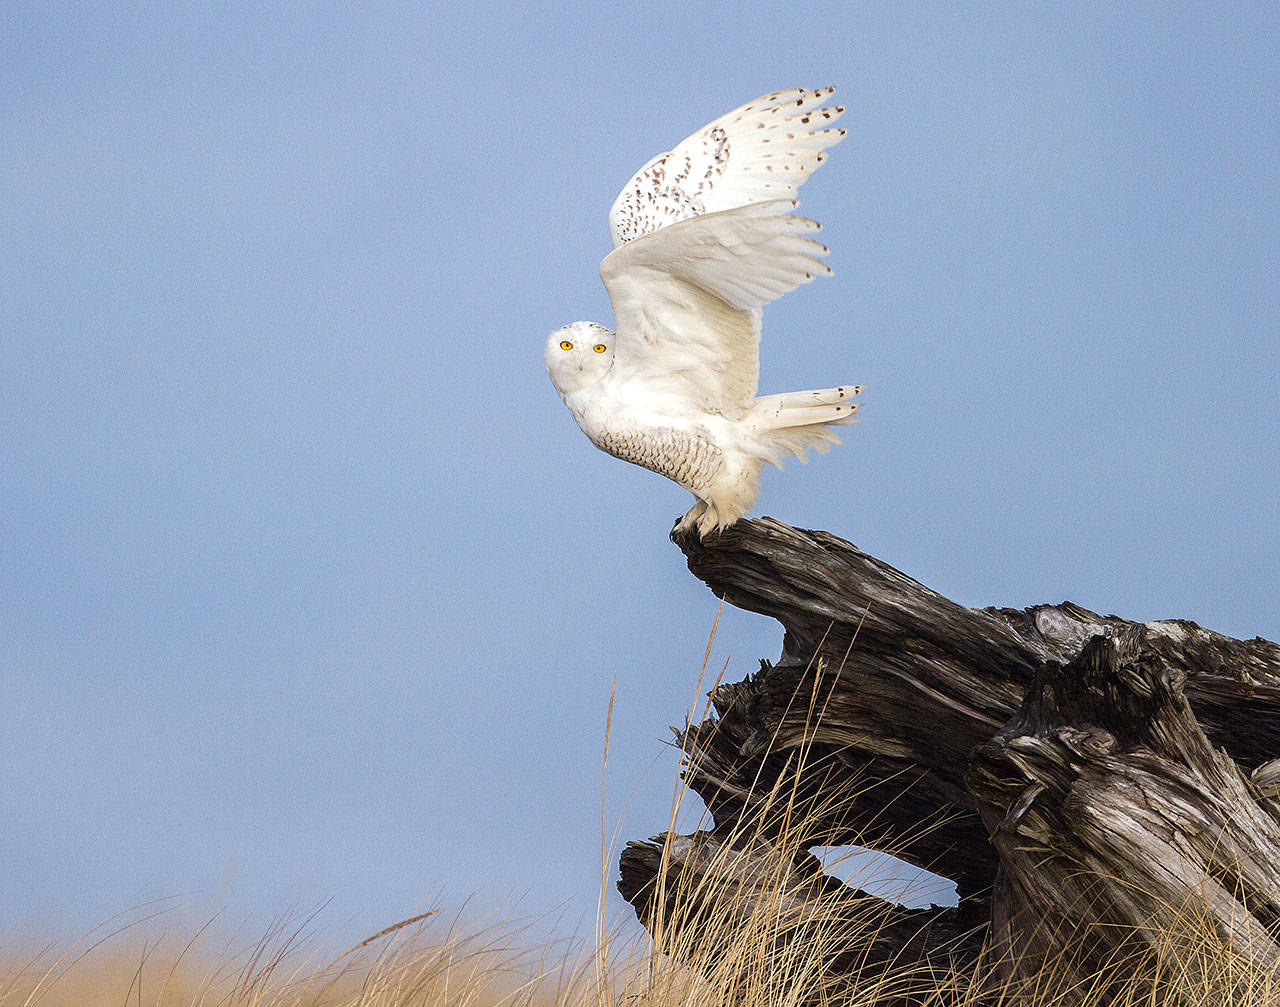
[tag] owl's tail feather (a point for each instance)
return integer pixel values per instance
(793, 422)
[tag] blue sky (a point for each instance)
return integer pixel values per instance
(309, 587)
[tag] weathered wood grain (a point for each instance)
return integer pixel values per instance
(887, 689)
(1117, 823)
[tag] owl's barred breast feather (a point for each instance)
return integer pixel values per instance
(704, 236)
(690, 458)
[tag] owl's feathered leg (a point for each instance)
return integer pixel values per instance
(711, 520)
(694, 516)
(706, 518)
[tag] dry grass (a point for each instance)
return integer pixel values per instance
(435, 966)
(428, 959)
(742, 929)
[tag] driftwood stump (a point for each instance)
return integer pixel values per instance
(1090, 784)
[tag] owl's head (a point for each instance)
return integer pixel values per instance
(578, 356)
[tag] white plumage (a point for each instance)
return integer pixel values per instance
(703, 238)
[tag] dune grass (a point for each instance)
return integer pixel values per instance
(432, 964)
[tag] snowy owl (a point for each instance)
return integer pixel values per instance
(703, 238)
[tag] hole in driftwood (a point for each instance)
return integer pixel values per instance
(885, 876)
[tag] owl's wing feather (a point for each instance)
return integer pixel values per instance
(761, 151)
(687, 298)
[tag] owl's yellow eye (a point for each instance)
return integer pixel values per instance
(565, 344)
(599, 347)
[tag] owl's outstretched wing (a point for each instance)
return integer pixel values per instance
(761, 151)
(687, 298)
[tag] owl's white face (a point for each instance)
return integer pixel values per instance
(578, 356)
